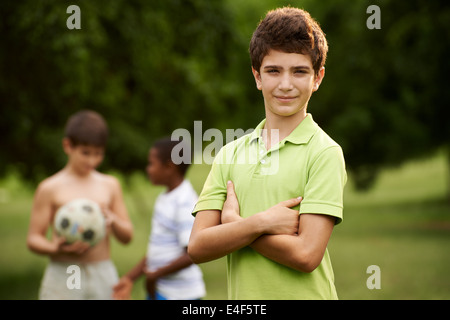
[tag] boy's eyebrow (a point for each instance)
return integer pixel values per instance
(302, 67)
(280, 67)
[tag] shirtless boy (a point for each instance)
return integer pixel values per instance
(84, 143)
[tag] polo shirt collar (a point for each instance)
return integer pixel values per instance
(256, 134)
(300, 135)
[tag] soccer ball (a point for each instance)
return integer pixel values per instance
(80, 219)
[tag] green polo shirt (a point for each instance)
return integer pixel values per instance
(307, 163)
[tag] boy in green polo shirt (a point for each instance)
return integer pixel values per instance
(249, 206)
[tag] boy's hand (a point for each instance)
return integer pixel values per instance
(280, 219)
(122, 290)
(78, 247)
(120, 226)
(109, 216)
(150, 283)
(230, 210)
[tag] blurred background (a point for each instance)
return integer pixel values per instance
(150, 67)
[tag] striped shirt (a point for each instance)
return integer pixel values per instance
(171, 227)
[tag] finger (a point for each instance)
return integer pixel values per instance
(81, 246)
(77, 244)
(119, 296)
(230, 189)
(105, 211)
(291, 202)
(61, 241)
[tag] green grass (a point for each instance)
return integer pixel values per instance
(402, 225)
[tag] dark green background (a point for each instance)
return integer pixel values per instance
(151, 67)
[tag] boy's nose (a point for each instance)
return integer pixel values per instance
(285, 83)
(93, 161)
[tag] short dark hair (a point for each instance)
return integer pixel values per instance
(87, 127)
(165, 146)
(289, 30)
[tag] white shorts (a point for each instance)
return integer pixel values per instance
(78, 281)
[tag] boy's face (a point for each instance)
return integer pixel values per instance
(83, 158)
(157, 171)
(287, 81)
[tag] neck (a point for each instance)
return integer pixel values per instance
(173, 183)
(278, 127)
(76, 173)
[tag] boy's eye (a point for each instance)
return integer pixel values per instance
(272, 71)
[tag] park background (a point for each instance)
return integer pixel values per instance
(151, 67)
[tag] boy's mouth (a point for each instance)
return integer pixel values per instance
(285, 99)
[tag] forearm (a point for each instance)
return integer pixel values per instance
(303, 251)
(216, 240)
(137, 270)
(41, 245)
(288, 250)
(178, 264)
(122, 230)
(282, 248)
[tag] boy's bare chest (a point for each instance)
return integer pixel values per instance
(96, 191)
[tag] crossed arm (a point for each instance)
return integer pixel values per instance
(279, 233)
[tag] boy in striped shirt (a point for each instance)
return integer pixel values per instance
(170, 273)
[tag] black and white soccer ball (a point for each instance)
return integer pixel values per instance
(80, 219)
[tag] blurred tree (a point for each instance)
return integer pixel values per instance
(153, 66)
(385, 90)
(148, 66)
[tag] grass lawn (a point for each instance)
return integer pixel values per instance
(402, 226)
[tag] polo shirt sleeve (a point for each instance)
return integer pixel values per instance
(325, 186)
(214, 190)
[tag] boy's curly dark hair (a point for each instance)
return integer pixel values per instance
(87, 127)
(289, 30)
(164, 146)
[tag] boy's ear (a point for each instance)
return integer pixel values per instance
(67, 145)
(171, 166)
(257, 76)
(318, 79)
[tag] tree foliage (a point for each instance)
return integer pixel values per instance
(384, 94)
(151, 67)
